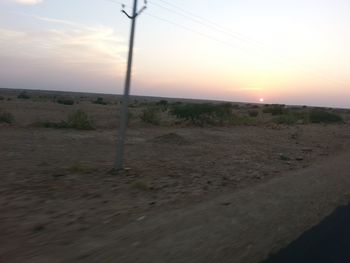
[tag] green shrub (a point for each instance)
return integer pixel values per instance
(254, 106)
(163, 104)
(241, 120)
(177, 103)
(78, 120)
(204, 113)
(55, 125)
(235, 106)
(275, 110)
(322, 116)
(151, 115)
(292, 116)
(223, 111)
(100, 101)
(253, 113)
(288, 119)
(301, 115)
(65, 101)
(23, 95)
(6, 117)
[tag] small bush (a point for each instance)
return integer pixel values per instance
(253, 113)
(223, 111)
(80, 120)
(23, 95)
(322, 116)
(55, 125)
(254, 106)
(163, 103)
(2, 98)
(6, 117)
(133, 105)
(288, 119)
(275, 110)
(302, 116)
(65, 101)
(100, 101)
(204, 113)
(241, 120)
(151, 115)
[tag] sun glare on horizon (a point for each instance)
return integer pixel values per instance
(261, 100)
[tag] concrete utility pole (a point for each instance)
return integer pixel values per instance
(124, 112)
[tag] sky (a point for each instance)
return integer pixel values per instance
(284, 51)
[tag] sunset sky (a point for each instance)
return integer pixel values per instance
(285, 51)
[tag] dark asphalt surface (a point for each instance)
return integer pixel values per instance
(328, 242)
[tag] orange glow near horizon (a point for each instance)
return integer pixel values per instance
(270, 54)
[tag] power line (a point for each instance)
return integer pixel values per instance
(256, 44)
(197, 19)
(116, 2)
(194, 31)
(187, 28)
(214, 26)
(299, 67)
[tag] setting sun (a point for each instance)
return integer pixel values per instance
(254, 50)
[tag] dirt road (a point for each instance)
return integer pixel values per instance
(245, 226)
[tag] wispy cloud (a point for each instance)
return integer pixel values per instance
(96, 48)
(27, 2)
(56, 21)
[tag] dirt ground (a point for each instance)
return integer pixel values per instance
(56, 188)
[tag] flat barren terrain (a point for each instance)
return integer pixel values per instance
(194, 189)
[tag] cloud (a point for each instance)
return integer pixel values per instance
(28, 2)
(94, 48)
(57, 21)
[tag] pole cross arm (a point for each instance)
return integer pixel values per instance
(131, 17)
(141, 10)
(136, 14)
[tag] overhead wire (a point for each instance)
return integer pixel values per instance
(194, 31)
(205, 22)
(254, 43)
(185, 28)
(116, 2)
(218, 28)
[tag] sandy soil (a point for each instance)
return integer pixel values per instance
(58, 202)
